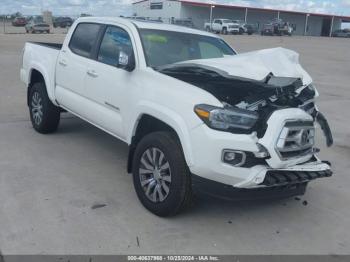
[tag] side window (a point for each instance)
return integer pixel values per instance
(83, 39)
(208, 50)
(114, 41)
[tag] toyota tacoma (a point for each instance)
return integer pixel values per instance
(195, 114)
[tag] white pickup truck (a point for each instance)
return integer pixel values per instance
(224, 26)
(196, 115)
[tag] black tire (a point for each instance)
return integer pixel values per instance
(224, 31)
(179, 194)
(207, 29)
(50, 114)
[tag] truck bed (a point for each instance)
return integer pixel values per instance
(51, 45)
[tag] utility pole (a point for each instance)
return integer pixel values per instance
(332, 24)
(211, 13)
(4, 19)
(306, 23)
(246, 15)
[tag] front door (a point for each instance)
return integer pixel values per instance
(108, 86)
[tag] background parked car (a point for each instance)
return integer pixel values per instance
(277, 27)
(267, 29)
(62, 22)
(250, 29)
(221, 25)
(341, 33)
(19, 21)
(37, 25)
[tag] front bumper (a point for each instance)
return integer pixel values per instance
(228, 192)
(208, 145)
(233, 30)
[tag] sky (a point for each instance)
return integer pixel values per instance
(124, 7)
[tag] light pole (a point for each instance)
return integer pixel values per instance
(211, 13)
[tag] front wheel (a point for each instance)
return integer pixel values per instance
(224, 31)
(44, 115)
(161, 177)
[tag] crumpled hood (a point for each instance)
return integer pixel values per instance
(256, 65)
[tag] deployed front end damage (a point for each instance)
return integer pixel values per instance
(264, 94)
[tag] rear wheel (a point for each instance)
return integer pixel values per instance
(45, 116)
(161, 177)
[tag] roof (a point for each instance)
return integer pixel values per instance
(145, 25)
(194, 3)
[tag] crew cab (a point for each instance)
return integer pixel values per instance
(224, 26)
(195, 114)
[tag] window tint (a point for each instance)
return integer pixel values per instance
(167, 47)
(84, 38)
(114, 41)
(209, 50)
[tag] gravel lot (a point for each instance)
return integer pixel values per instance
(50, 185)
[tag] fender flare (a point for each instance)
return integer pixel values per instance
(48, 82)
(169, 117)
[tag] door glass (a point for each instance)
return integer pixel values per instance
(84, 38)
(114, 41)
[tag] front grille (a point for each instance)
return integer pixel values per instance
(296, 139)
(279, 177)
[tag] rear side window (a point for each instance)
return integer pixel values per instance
(84, 38)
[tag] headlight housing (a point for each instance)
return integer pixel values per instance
(225, 119)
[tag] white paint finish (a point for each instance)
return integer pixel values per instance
(258, 64)
(116, 99)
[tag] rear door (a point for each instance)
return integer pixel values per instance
(71, 68)
(107, 86)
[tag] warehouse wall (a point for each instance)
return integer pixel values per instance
(260, 17)
(170, 9)
(298, 22)
(201, 14)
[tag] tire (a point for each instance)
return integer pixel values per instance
(44, 115)
(176, 178)
(224, 31)
(207, 29)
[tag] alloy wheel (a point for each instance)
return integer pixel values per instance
(155, 175)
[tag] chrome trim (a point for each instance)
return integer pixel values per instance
(301, 137)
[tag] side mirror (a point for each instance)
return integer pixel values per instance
(126, 61)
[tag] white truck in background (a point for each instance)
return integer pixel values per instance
(223, 26)
(195, 114)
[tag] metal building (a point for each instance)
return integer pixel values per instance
(312, 24)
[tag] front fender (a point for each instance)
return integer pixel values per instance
(169, 117)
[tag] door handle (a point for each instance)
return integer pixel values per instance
(92, 73)
(63, 63)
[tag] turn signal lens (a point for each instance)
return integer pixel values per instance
(202, 113)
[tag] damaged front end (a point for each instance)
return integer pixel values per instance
(247, 103)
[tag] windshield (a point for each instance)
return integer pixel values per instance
(167, 47)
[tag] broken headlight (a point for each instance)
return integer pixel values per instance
(226, 118)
